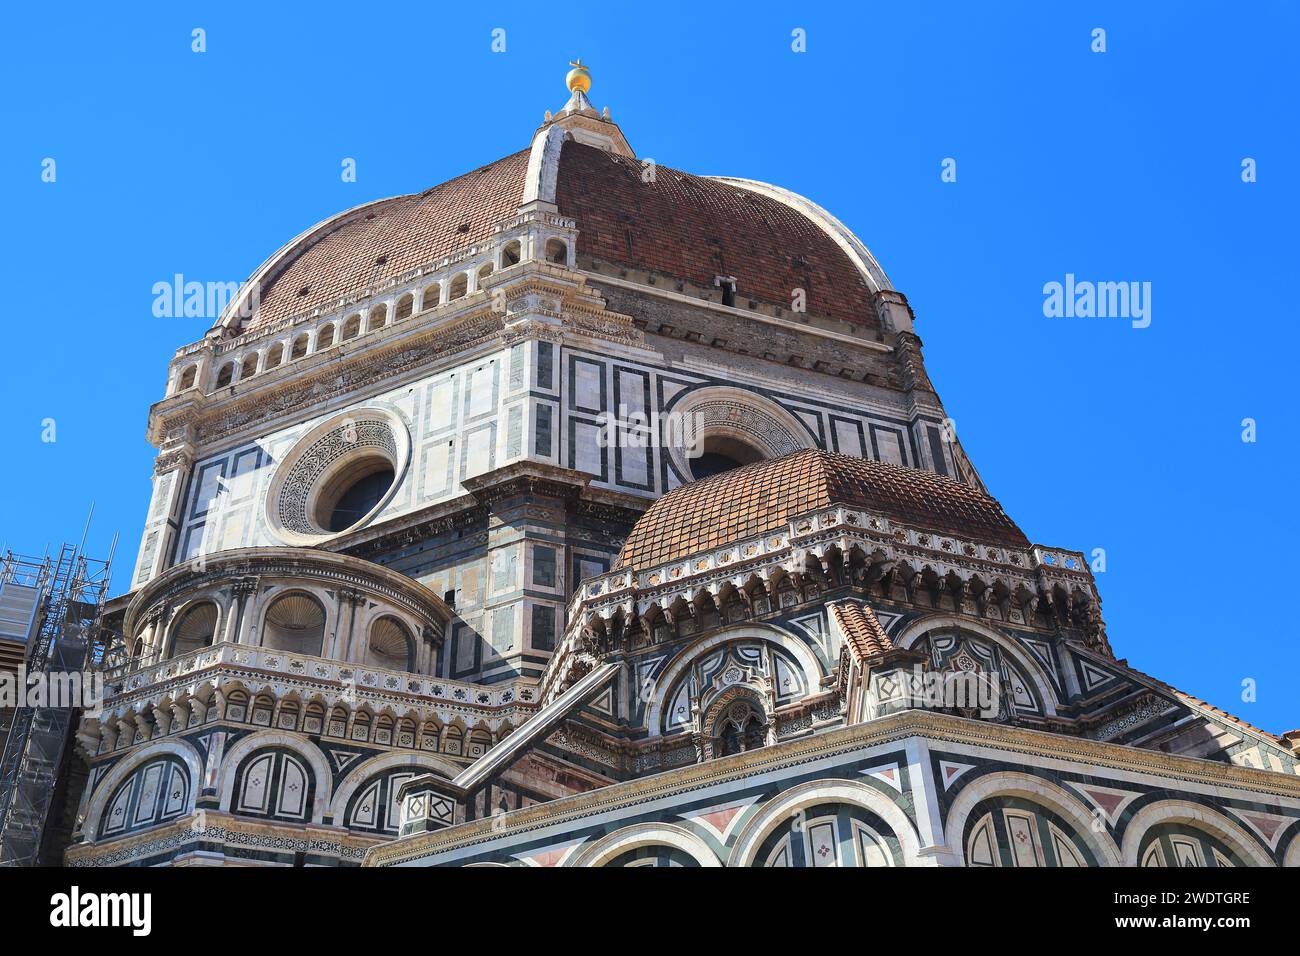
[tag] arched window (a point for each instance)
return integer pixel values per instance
(719, 453)
(325, 338)
(431, 298)
(557, 251)
(484, 271)
(511, 254)
(374, 807)
(730, 682)
(157, 791)
(405, 306)
(356, 490)
(273, 783)
(196, 628)
(1179, 845)
(390, 646)
(831, 834)
(740, 727)
(338, 722)
(299, 348)
(429, 736)
(188, 377)
(406, 732)
(361, 726)
(263, 708)
(295, 623)
(226, 375)
(377, 319)
(249, 368)
(1009, 831)
(453, 742)
(459, 286)
(726, 427)
(351, 328)
(236, 705)
(288, 717)
(275, 356)
(480, 742)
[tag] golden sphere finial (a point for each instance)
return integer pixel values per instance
(578, 79)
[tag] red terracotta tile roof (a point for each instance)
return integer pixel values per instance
(681, 225)
(767, 495)
(406, 232)
(696, 228)
(862, 631)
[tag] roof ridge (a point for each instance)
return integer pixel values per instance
(863, 632)
(1189, 698)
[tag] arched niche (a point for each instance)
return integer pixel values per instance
(294, 622)
(716, 428)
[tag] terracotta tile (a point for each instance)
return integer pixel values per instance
(862, 630)
(767, 495)
(696, 228)
(409, 231)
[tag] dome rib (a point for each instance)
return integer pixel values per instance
(767, 495)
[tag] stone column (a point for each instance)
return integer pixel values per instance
(352, 599)
(243, 590)
(152, 635)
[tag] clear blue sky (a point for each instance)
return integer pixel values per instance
(1117, 166)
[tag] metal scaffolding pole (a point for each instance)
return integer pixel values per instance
(64, 597)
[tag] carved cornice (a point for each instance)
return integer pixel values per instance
(202, 829)
(337, 570)
(173, 461)
(569, 812)
(211, 418)
(1036, 570)
(258, 670)
(347, 374)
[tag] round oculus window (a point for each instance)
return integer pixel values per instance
(339, 476)
(719, 427)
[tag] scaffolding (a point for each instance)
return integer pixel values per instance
(52, 604)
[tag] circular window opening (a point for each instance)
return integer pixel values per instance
(349, 497)
(338, 477)
(723, 453)
(719, 427)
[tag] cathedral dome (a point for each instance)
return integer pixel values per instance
(361, 248)
(770, 245)
(697, 228)
(767, 495)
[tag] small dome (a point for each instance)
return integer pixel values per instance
(767, 495)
